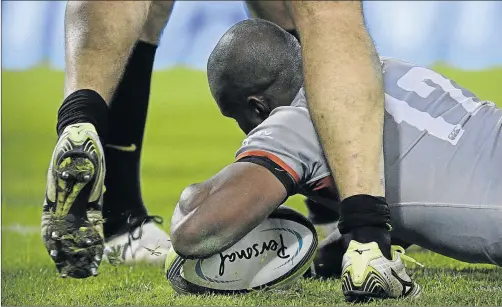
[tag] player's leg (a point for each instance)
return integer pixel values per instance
(470, 233)
(274, 11)
(99, 38)
(460, 214)
(345, 94)
(123, 208)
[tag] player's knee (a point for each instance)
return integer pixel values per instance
(156, 21)
(494, 252)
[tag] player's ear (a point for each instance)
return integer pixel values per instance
(259, 105)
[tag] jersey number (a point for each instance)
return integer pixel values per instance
(414, 81)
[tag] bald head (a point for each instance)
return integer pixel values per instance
(255, 58)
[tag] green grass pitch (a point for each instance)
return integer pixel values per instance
(186, 141)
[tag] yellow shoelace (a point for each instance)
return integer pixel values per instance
(400, 250)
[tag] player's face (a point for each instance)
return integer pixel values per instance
(247, 123)
(248, 115)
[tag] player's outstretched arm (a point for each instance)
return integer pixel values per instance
(99, 38)
(214, 215)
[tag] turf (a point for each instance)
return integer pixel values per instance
(186, 141)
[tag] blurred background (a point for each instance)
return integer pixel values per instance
(465, 34)
(187, 140)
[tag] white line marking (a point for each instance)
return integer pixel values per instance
(22, 229)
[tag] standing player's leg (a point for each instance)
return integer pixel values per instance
(99, 38)
(274, 11)
(343, 82)
(328, 259)
(123, 209)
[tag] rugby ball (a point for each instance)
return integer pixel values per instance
(272, 255)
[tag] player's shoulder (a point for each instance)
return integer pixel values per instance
(285, 114)
(300, 100)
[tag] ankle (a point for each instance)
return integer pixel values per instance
(84, 106)
(365, 219)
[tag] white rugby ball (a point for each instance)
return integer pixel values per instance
(272, 255)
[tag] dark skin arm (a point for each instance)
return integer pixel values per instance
(214, 215)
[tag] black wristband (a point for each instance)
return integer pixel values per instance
(84, 106)
(363, 211)
(283, 176)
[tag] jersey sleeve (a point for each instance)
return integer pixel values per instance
(287, 145)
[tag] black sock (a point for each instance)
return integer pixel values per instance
(365, 219)
(84, 106)
(128, 111)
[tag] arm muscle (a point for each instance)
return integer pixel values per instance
(214, 215)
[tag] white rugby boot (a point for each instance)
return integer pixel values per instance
(146, 243)
(367, 274)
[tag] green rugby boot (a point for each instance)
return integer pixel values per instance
(72, 223)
